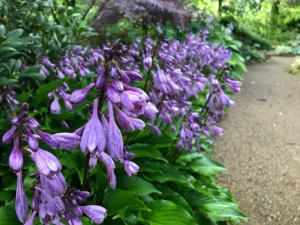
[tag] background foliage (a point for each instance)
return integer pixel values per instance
(165, 191)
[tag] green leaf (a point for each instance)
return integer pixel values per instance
(175, 197)
(43, 90)
(33, 75)
(7, 49)
(137, 185)
(167, 213)
(232, 214)
(146, 151)
(118, 200)
(205, 166)
(14, 34)
(2, 30)
(8, 215)
(170, 173)
(4, 81)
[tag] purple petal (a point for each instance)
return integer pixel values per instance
(21, 206)
(8, 136)
(16, 158)
(49, 139)
(94, 212)
(67, 141)
(80, 94)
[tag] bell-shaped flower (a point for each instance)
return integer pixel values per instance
(94, 212)
(21, 204)
(80, 94)
(124, 121)
(49, 139)
(134, 75)
(31, 140)
(155, 130)
(93, 135)
(133, 101)
(31, 218)
(114, 136)
(131, 168)
(46, 162)
(55, 186)
(150, 110)
(218, 131)
(110, 168)
(9, 135)
(139, 124)
(112, 94)
(147, 62)
(15, 159)
(55, 107)
(32, 123)
(100, 82)
(67, 141)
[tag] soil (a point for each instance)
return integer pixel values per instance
(261, 145)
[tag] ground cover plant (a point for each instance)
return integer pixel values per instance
(112, 133)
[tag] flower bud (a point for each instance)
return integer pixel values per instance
(21, 204)
(8, 136)
(67, 141)
(15, 159)
(32, 123)
(112, 95)
(80, 94)
(49, 139)
(55, 107)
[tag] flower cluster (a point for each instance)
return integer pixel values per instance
(53, 198)
(8, 94)
(185, 70)
(181, 71)
(124, 101)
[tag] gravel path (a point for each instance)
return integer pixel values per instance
(261, 145)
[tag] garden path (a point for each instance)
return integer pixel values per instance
(261, 145)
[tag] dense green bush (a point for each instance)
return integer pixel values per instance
(173, 186)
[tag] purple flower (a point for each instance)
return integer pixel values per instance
(15, 159)
(112, 95)
(134, 75)
(133, 101)
(46, 162)
(31, 218)
(131, 168)
(80, 94)
(234, 85)
(67, 141)
(139, 124)
(147, 62)
(32, 123)
(155, 130)
(117, 85)
(54, 187)
(94, 212)
(218, 131)
(60, 75)
(21, 206)
(114, 136)
(124, 121)
(100, 82)
(110, 168)
(31, 140)
(150, 110)
(55, 107)
(8, 136)
(49, 139)
(93, 135)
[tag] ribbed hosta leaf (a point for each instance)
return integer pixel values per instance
(167, 213)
